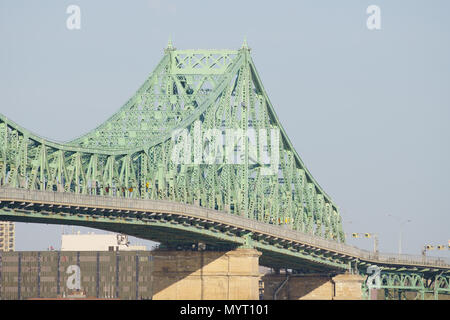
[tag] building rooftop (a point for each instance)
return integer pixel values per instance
(97, 242)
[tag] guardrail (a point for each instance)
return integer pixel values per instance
(163, 206)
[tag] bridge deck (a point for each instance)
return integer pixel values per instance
(264, 236)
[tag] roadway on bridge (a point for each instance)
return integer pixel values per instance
(176, 223)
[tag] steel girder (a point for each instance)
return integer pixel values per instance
(398, 282)
(194, 93)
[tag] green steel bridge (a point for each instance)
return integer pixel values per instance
(197, 155)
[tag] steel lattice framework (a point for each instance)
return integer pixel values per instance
(194, 93)
(396, 284)
(155, 161)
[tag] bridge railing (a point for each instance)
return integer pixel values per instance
(335, 246)
(220, 217)
(405, 259)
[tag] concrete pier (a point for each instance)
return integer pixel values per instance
(206, 275)
(312, 287)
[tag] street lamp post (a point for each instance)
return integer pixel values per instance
(402, 223)
(375, 241)
(375, 244)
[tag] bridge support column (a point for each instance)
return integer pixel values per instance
(347, 286)
(312, 287)
(206, 275)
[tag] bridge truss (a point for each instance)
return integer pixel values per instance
(200, 132)
(400, 283)
(196, 99)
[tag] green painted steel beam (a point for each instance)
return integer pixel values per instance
(131, 155)
(157, 146)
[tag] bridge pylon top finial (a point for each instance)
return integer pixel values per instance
(245, 45)
(170, 46)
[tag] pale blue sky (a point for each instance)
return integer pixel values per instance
(367, 111)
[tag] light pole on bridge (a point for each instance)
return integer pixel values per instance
(402, 223)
